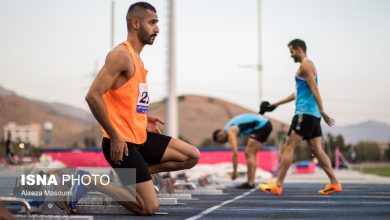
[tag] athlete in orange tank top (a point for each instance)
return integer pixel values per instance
(119, 100)
(127, 105)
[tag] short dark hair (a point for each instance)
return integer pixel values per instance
(215, 136)
(143, 5)
(134, 10)
(298, 43)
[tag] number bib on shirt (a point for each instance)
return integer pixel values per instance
(143, 99)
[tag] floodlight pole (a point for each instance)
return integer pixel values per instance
(172, 106)
(260, 64)
(112, 23)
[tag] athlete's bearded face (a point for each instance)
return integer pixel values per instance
(146, 36)
(148, 30)
(294, 54)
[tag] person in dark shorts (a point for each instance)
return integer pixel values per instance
(306, 121)
(119, 100)
(9, 151)
(258, 129)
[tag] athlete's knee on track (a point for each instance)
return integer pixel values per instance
(151, 208)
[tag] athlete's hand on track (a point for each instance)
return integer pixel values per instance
(118, 148)
(330, 121)
(153, 124)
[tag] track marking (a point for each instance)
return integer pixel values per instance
(209, 210)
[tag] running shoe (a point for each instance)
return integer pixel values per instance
(245, 186)
(330, 188)
(271, 187)
(78, 190)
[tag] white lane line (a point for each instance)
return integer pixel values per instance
(207, 211)
(339, 196)
(280, 202)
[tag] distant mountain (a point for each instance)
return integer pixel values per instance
(69, 111)
(68, 121)
(365, 131)
(61, 108)
(4, 92)
(199, 116)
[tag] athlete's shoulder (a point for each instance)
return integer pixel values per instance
(119, 52)
(307, 63)
(233, 129)
(119, 56)
(307, 68)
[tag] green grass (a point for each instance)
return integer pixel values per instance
(380, 170)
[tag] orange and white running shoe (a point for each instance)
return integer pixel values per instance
(271, 187)
(330, 188)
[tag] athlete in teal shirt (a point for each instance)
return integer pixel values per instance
(306, 121)
(246, 123)
(258, 129)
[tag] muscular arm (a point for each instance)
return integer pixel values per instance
(232, 137)
(307, 72)
(116, 63)
(285, 100)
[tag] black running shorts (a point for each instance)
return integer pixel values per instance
(140, 156)
(306, 126)
(262, 134)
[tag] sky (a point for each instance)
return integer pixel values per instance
(50, 50)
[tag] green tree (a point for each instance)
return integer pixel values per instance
(90, 142)
(387, 154)
(209, 142)
(331, 142)
(369, 151)
(340, 143)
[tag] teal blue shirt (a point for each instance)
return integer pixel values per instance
(304, 100)
(246, 123)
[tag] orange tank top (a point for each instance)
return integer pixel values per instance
(127, 105)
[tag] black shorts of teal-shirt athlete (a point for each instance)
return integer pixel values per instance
(262, 134)
(306, 126)
(139, 157)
